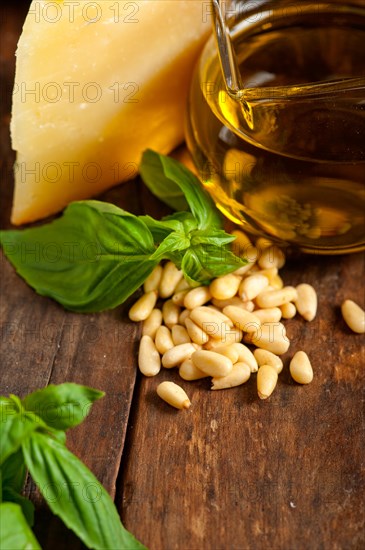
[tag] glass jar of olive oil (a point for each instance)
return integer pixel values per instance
(283, 154)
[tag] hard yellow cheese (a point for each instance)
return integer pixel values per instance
(97, 83)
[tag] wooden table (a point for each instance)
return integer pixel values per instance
(230, 473)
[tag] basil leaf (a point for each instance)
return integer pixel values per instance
(217, 237)
(165, 177)
(62, 406)
(92, 258)
(15, 428)
(160, 229)
(75, 495)
(186, 219)
(194, 270)
(202, 263)
(15, 533)
(175, 242)
(160, 185)
(180, 217)
(59, 435)
(13, 471)
(9, 495)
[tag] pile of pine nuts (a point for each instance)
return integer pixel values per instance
(204, 330)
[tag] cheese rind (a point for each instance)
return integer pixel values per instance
(94, 87)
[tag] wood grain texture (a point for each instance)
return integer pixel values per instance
(235, 472)
(230, 473)
(43, 344)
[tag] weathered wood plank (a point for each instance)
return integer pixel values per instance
(43, 344)
(234, 472)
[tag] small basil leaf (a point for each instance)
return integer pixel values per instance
(82, 503)
(202, 263)
(172, 243)
(186, 219)
(164, 175)
(15, 428)
(15, 533)
(9, 495)
(62, 406)
(193, 269)
(59, 435)
(13, 471)
(160, 229)
(160, 185)
(92, 258)
(216, 237)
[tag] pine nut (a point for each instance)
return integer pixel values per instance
(276, 298)
(180, 335)
(197, 346)
(188, 371)
(183, 316)
(306, 301)
(244, 320)
(174, 395)
(171, 277)
(269, 315)
(213, 308)
(245, 268)
(214, 323)
(264, 357)
(153, 280)
(269, 273)
(179, 297)
(239, 375)
(197, 334)
(176, 355)
(228, 351)
(277, 282)
(267, 378)
(149, 360)
(152, 323)
(242, 241)
(163, 340)
(271, 256)
(197, 297)
(235, 301)
(251, 255)
(170, 313)
(245, 355)
(301, 368)
(252, 286)
(182, 285)
(206, 313)
(213, 364)
(143, 307)
(224, 288)
(354, 316)
(263, 243)
(270, 336)
(230, 336)
(288, 310)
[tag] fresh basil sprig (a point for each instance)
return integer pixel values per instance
(15, 532)
(30, 441)
(96, 255)
(164, 175)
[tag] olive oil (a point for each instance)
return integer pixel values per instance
(286, 155)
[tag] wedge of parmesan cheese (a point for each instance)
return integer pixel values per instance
(97, 83)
